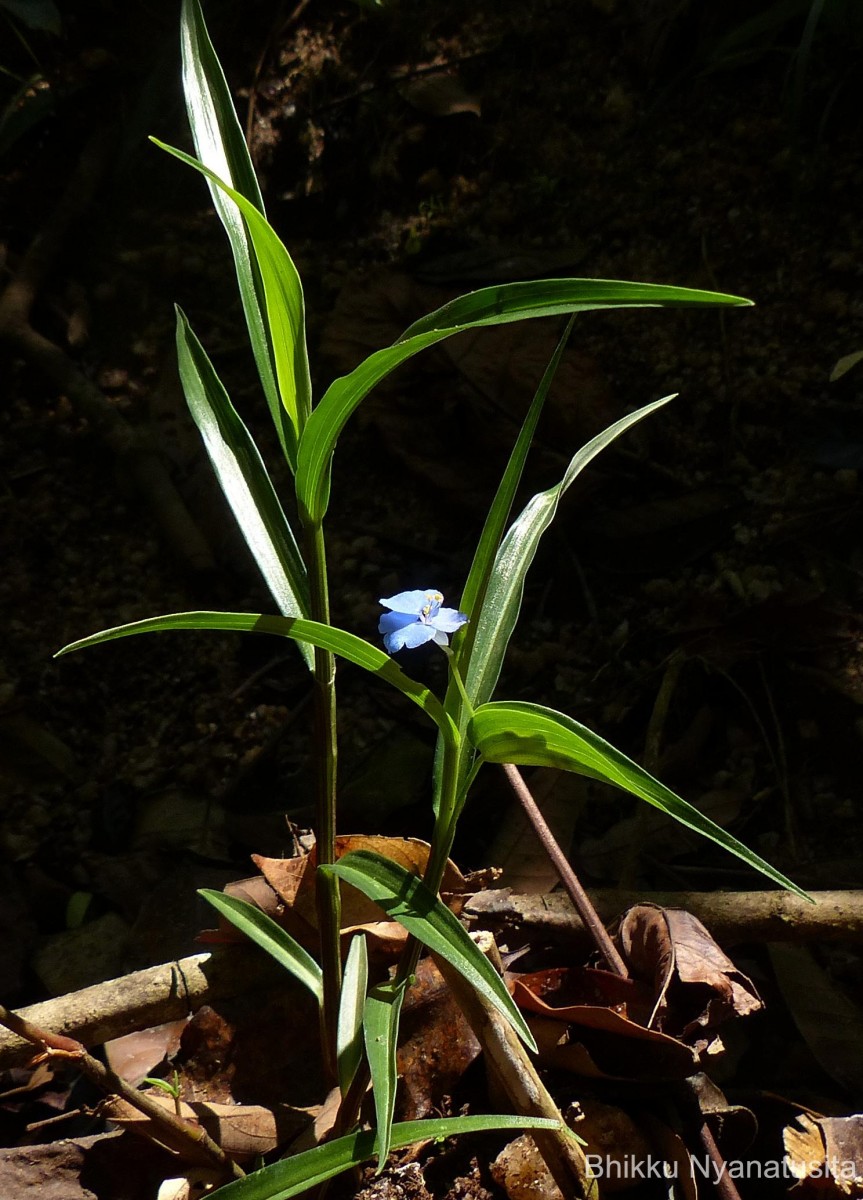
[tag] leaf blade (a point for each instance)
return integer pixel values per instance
(284, 308)
(277, 942)
(494, 624)
(243, 478)
(349, 1032)
(220, 145)
(405, 898)
(533, 735)
(291, 1176)
(381, 1015)
(327, 637)
(482, 566)
(488, 306)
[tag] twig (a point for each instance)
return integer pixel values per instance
(509, 1063)
(178, 1134)
(725, 1186)
(164, 993)
(731, 917)
(568, 877)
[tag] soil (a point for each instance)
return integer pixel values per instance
(407, 154)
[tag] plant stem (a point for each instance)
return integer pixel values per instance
(579, 897)
(327, 898)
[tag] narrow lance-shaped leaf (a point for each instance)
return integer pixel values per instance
(349, 1034)
(532, 735)
(339, 641)
(285, 309)
(264, 931)
(482, 567)
(221, 147)
(301, 1172)
(243, 478)
(381, 1030)
(406, 899)
(494, 623)
(488, 306)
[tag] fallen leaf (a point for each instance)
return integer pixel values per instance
(674, 952)
(437, 1045)
(823, 1153)
(588, 1030)
(242, 1130)
(135, 1055)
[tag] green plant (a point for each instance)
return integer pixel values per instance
(359, 1023)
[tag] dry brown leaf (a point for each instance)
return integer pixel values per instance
(521, 1171)
(437, 1045)
(242, 1130)
(672, 950)
(613, 1048)
(135, 1055)
(285, 891)
(823, 1153)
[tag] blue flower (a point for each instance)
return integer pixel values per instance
(417, 617)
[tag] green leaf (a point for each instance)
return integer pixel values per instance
(494, 623)
(532, 735)
(291, 1176)
(381, 1029)
(488, 306)
(243, 478)
(277, 942)
(482, 567)
(349, 1033)
(285, 311)
(220, 145)
(339, 641)
(405, 898)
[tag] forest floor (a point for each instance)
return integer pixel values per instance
(713, 559)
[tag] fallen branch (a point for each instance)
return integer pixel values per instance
(168, 992)
(173, 990)
(731, 917)
(178, 1134)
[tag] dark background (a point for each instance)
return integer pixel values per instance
(406, 155)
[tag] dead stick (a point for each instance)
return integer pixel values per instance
(167, 992)
(731, 917)
(509, 1063)
(568, 877)
(177, 1131)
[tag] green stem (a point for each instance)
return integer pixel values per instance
(442, 839)
(327, 898)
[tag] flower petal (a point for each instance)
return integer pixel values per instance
(416, 635)
(407, 602)
(441, 638)
(449, 620)
(409, 637)
(392, 621)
